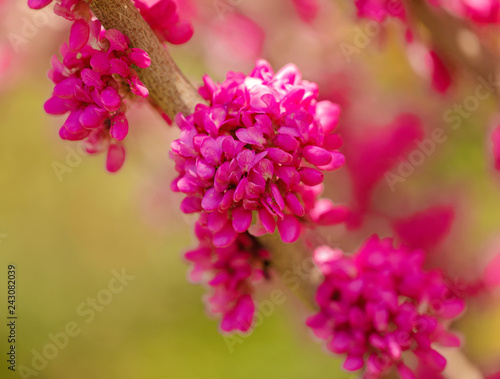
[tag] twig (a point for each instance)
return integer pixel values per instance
(168, 87)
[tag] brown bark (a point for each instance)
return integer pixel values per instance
(168, 87)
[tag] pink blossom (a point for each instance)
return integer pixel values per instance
(163, 17)
(426, 229)
(495, 137)
(258, 152)
(439, 72)
(380, 10)
(426, 372)
(371, 155)
(231, 272)
(491, 275)
(87, 86)
(69, 9)
(379, 303)
(7, 60)
(307, 9)
(495, 375)
(236, 37)
(481, 11)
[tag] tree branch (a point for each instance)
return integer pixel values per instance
(294, 265)
(168, 87)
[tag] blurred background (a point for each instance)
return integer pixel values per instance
(69, 226)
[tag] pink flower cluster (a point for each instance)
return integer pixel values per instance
(92, 83)
(379, 303)
(163, 17)
(231, 271)
(258, 149)
(96, 76)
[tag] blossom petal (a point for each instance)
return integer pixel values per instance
(115, 157)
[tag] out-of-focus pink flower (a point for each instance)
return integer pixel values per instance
(491, 276)
(440, 75)
(371, 155)
(306, 9)
(379, 303)
(231, 272)
(426, 229)
(426, 372)
(478, 11)
(69, 9)
(380, 10)
(494, 376)
(237, 37)
(92, 83)
(163, 17)
(481, 11)
(429, 64)
(38, 4)
(495, 137)
(6, 59)
(259, 149)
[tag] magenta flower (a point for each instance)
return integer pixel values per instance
(231, 272)
(239, 38)
(253, 160)
(69, 9)
(163, 17)
(372, 154)
(482, 12)
(307, 9)
(380, 10)
(379, 303)
(425, 229)
(495, 138)
(92, 83)
(440, 74)
(491, 276)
